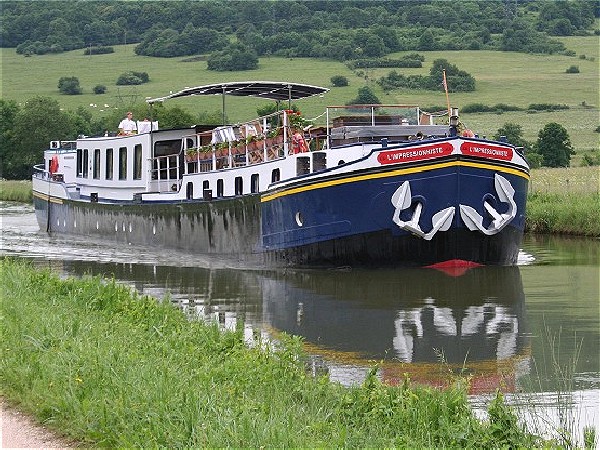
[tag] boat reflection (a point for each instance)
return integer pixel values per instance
(420, 323)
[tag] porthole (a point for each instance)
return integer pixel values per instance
(299, 219)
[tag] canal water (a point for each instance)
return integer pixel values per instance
(532, 331)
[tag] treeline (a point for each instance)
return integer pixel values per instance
(341, 30)
(457, 80)
(26, 131)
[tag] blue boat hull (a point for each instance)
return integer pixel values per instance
(350, 221)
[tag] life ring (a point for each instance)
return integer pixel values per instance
(298, 143)
(53, 165)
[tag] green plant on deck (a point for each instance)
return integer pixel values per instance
(191, 152)
(295, 120)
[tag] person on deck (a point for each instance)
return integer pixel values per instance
(127, 126)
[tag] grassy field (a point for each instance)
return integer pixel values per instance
(502, 77)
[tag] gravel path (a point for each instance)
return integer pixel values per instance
(18, 430)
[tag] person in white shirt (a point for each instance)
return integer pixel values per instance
(127, 126)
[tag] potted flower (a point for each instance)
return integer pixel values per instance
(276, 135)
(205, 152)
(191, 154)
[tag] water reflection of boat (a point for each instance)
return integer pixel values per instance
(408, 319)
(474, 322)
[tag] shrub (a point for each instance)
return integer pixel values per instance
(546, 107)
(132, 78)
(98, 50)
(573, 69)
(99, 89)
(69, 86)
(339, 80)
(591, 159)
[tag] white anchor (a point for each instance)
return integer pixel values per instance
(474, 221)
(402, 198)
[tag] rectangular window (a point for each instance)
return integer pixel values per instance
(108, 174)
(79, 162)
(137, 162)
(254, 185)
(239, 186)
(97, 164)
(123, 163)
(86, 163)
(220, 187)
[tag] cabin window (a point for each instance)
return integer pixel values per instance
(79, 162)
(254, 185)
(86, 163)
(275, 175)
(220, 187)
(239, 186)
(108, 173)
(189, 190)
(164, 148)
(123, 163)
(137, 162)
(205, 184)
(97, 164)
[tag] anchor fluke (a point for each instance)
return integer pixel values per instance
(474, 221)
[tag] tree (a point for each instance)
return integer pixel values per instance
(35, 125)
(513, 134)
(132, 78)
(366, 96)
(339, 80)
(554, 145)
(427, 40)
(8, 112)
(69, 86)
(234, 57)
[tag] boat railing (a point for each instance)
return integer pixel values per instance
(39, 171)
(362, 123)
(266, 138)
(165, 171)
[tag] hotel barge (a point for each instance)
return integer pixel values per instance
(368, 185)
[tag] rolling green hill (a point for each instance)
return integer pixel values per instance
(502, 77)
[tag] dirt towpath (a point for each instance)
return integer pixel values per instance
(18, 430)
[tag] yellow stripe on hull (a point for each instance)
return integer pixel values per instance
(47, 198)
(324, 184)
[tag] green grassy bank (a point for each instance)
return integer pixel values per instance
(110, 368)
(560, 201)
(564, 201)
(16, 191)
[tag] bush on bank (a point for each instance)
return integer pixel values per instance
(112, 368)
